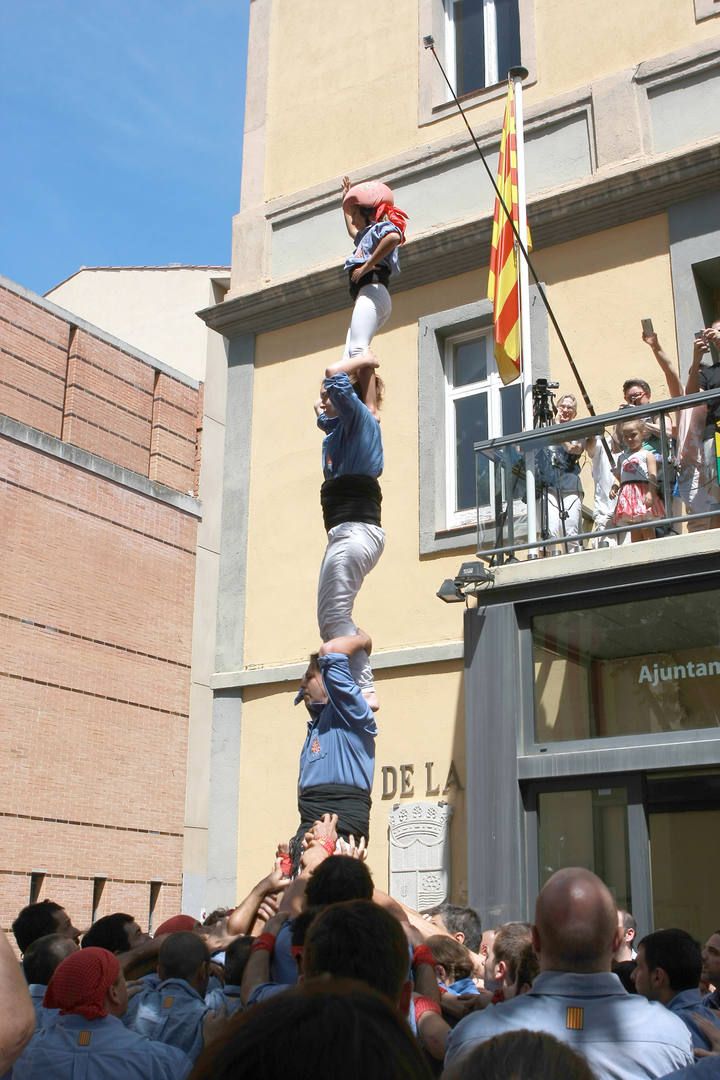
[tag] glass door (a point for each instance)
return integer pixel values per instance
(597, 822)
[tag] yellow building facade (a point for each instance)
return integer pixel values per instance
(622, 126)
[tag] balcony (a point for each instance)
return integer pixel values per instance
(516, 565)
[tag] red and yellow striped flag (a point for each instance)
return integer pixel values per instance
(503, 283)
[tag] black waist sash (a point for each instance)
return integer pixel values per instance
(350, 498)
(351, 804)
(380, 274)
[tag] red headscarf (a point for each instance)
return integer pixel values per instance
(81, 981)
(397, 217)
(176, 925)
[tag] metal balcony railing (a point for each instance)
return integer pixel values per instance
(502, 465)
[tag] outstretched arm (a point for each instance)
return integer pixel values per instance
(353, 365)
(257, 969)
(700, 347)
(352, 231)
(17, 1015)
(348, 645)
(240, 920)
(671, 376)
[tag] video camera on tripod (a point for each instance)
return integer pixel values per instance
(544, 408)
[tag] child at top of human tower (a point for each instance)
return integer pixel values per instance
(378, 229)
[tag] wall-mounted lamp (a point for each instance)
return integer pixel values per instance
(469, 580)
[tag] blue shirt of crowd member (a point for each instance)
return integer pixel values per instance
(43, 1016)
(352, 443)
(73, 1048)
(687, 1004)
(622, 1035)
(226, 997)
(173, 1013)
(707, 1068)
(462, 986)
(340, 744)
(367, 240)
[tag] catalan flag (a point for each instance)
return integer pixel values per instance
(503, 283)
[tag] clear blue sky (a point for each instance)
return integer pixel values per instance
(121, 133)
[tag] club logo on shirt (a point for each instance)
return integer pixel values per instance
(84, 1038)
(575, 1018)
(315, 746)
(167, 1002)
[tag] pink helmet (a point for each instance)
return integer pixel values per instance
(370, 193)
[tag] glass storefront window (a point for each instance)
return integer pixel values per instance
(586, 828)
(628, 669)
(683, 818)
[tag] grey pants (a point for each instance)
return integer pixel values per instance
(352, 551)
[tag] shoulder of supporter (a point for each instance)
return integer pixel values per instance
(342, 394)
(344, 693)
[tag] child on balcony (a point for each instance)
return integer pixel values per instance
(637, 497)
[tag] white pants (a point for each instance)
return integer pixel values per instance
(698, 483)
(569, 527)
(372, 310)
(352, 551)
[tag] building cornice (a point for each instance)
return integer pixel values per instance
(617, 197)
(270, 674)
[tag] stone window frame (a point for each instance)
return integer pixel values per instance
(434, 331)
(433, 103)
(705, 9)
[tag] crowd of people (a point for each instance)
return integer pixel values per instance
(321, 974)
(640, 476)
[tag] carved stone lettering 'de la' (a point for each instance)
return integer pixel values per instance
(401, 781)
(420, 854)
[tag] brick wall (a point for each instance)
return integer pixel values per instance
(76, 386)
(96, 596)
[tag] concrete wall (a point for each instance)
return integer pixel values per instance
(152, 308)
(372, 75)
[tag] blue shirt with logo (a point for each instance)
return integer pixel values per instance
(623, 1036)
(352, 443)
(340, 744)
(73, 1048)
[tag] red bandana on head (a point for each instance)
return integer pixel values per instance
(397, 217)
(81, 981)
(177, 925)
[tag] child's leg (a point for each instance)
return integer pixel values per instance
(372, 310)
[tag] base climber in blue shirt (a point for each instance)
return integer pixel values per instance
(337, 761)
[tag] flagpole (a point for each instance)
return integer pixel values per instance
(517, 74)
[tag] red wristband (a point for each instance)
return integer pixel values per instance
(424, 1005)
(328, 844)
(422, 954)
(285, 865)
(265, 943)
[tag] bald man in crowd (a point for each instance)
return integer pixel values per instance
(576, 997)
(174, 1011)
(39, 963)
